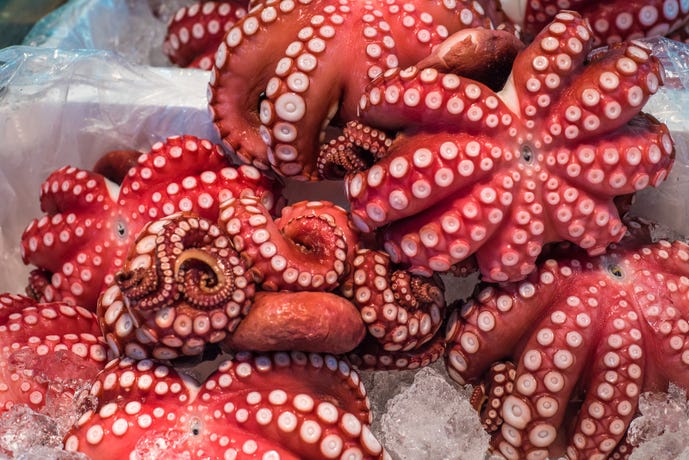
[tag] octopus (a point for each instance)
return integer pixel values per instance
(611, 21)
(277, 84)
(90, 221)
(498, 175)
(251, 282)
(270, 406)
(195, 32)
(586, 336)
(48, 351)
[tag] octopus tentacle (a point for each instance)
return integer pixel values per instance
(611, 21)
(617, 373)
(195, 31)
(291, 252)
(445, 235)
(546, 375)
(371, 355)
(354, 150)
(165, 304)
(411, 178)
(480, 333)
(401, 311)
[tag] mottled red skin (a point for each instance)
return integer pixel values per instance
(595, 331)
(499, 175)
(612, 21)
(89, 224)
(251, 405)
(305, 321)
(43, 344)
(271, 102)
(195, 31)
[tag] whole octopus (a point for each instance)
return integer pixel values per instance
(450, 163)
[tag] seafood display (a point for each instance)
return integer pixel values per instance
(188, 305)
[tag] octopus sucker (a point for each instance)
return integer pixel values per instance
(579, 328)
(501, 174)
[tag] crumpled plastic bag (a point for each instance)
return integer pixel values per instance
(127, 27)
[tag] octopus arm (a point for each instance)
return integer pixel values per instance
(548, 369)
(615, 380)
(638, 155)
(405, 98)
(420, 172)
(46, 242)
(606, 94)
(316, 403)
(486, 328)
(450, 231)
(573, 213)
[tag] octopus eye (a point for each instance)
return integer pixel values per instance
(526, 153)
(616, 271)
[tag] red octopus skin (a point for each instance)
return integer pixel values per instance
(305, 321)
(278, 81)
(307, 248)
(188, 282)
(609, 327)
(501, 174)
(282, 405)
(195, 31)
(90, 223)
(43, 344)
(612, 21)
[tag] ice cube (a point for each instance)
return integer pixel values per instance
(661, 431)
(432, 418)
(49, 453)
(21, 428)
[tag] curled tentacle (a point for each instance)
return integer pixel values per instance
(356, 149)
(489, 396)
(370, 355)
(195, 31)
(182, 286)
(401, 311)
(305, 249)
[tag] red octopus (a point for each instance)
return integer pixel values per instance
(249, 282)
(277, 406)
(598, 330)
(501, 174)
(612, 21)
(48, 351)
(278, 81)
(195, 31)
(90, 222)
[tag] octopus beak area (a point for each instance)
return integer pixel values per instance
(211, 277)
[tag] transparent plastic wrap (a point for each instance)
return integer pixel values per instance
(83, 92)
